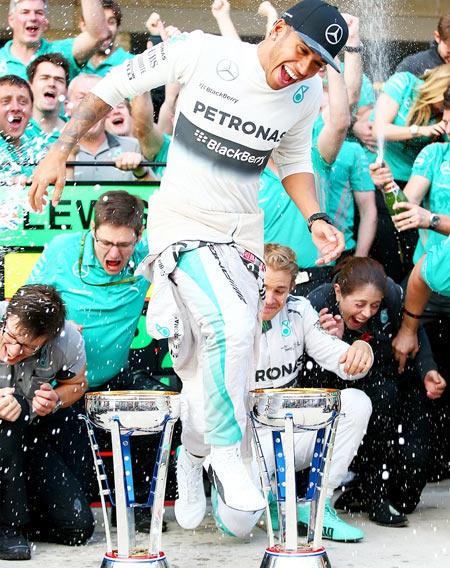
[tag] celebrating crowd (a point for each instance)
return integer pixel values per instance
(299, 238)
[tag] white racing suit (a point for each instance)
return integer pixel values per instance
(228, 122)
(294, 330)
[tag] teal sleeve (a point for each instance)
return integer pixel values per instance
(65, 47)
(42, 272)
(399, 85)
(360, 179)
(435, 268)
(426, 161)
(367, 96)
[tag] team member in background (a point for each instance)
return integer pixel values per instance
(95, 274)
(42, 374)
(48, 76)
(28, 20)
(238, 103)
(437, 54)
(408, 116)
(291, 328)
(108, 54)
(361, 303)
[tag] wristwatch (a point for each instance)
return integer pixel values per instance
(350, 49)
(318, 217)
(414, 129)
(434, 222)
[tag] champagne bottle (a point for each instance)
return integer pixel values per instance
(391, 195)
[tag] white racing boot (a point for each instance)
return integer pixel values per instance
(190, 507)
(230, 477)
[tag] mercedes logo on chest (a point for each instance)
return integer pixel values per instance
(227, 70)
(334, 34)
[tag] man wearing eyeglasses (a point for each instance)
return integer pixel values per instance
(42, 374)
(94, 272)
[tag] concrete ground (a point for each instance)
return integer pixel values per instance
(425, 543)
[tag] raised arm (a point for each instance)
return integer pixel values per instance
(166, 117)
(221, 11)
(353, 60)
(95, 31)
(336, 117)
(266, 10)
(144, 129)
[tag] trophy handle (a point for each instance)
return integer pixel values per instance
(101, 479)
(158, 487)
(264, 480)
(291, 489)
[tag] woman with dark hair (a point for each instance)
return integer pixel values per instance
(361, 302)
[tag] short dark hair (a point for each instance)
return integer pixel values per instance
(16, 81)
(55, 58)
(114, 6)
(40, 310)
(121, 209)
(447, 99)
(354, 272)
(443, 27)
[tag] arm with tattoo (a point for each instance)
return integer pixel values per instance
(52, 169)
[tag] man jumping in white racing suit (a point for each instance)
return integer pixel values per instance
(238, 103)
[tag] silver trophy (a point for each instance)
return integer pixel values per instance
(126, 414)
(285, 412)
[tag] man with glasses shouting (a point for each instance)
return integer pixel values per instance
(94, 272)
(42, 374)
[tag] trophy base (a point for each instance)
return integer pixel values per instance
(143, 559)
(277, 557)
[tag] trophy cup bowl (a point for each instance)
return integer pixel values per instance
(139, 412)
(311, 409)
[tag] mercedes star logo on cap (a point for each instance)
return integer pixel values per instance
(334, 34)
(227, 70)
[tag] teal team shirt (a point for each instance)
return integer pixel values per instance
(283, 222)
(21, 160)
(435, 268)
(117, 57)
(10, 65)
(433, 163)
(403, 89)
(109, 315)
(35, 131)
(349, 174)
(367, 96)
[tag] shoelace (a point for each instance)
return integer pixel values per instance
(193, 480)
(329, 510)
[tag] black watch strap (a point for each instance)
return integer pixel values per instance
(318, 217)
(350, 49)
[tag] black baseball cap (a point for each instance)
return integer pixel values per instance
(320, 26)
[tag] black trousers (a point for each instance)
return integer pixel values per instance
(392, 461)
(40, 467)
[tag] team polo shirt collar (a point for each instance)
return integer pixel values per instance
(89, 258)
(110, 141)
(43, 48)
(117, 57)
